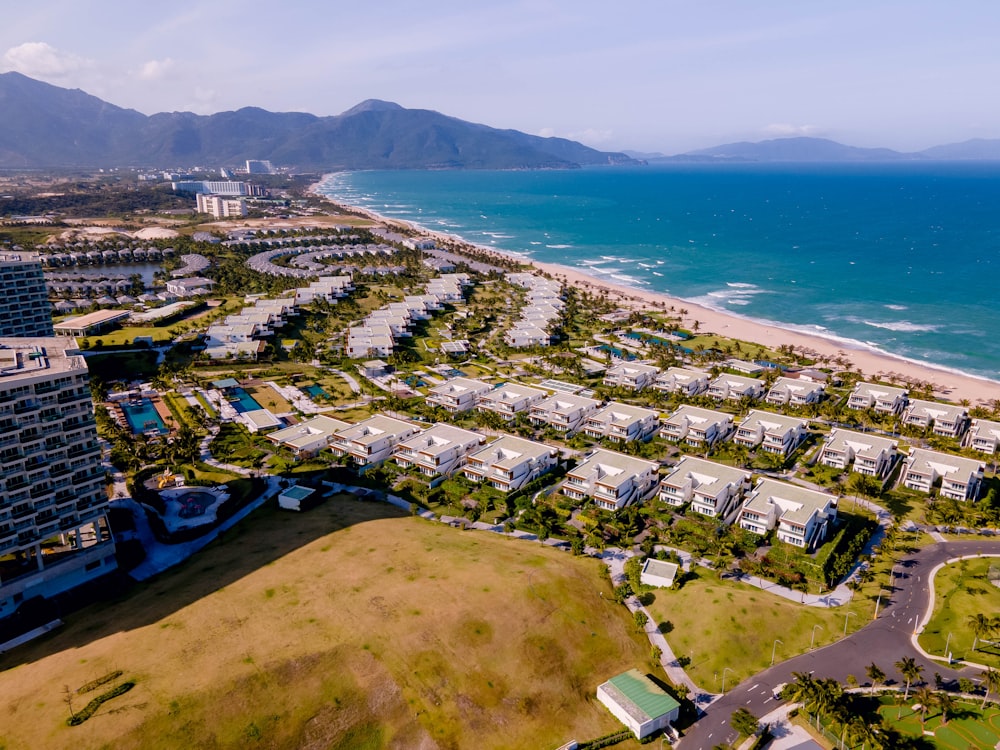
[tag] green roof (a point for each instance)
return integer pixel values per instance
(227, 383)
(649, 697)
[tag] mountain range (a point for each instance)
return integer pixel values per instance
(45, 126)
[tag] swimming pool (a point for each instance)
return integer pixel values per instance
(615, 351)
(142, 417)
(316, 391)
(242, 401)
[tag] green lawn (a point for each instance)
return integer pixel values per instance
(971, 727)
(962, 590)
(721, 624)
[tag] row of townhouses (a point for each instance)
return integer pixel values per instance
(543, 308)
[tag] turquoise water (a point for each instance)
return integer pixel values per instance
(142, 417)
(903, 258)
(242, 401)
(315, 391)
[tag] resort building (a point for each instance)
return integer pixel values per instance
(91, 324)
(801, 516)
(190, 287)
(712, 489)
(510, 399)
(564, 412)
(52, 495)
(681, 380)
(947, 420)
(371, 441)
(864, 453)
(612, 479)
(735, 387)
(220, 206)
(959, 478)
(794, 392)
(638, 703)
(697, 427)
(441, 449)
(458, 394)
(983, 435)
(509, 463)
(630, 375)
(24, 298)
(308, 438)
(622, 422)
(881, 398)
(774, 433)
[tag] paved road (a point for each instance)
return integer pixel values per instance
(884, 641)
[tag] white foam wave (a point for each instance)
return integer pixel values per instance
(657, 273)
(558, 247)
(896, 307)
(630, 280)
(902, 326)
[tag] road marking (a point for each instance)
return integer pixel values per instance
(748, 702)
(769, 699)
(754, 687)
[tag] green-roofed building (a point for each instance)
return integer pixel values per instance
(225, 383)
(638, 702)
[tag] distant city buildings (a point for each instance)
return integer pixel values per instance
(24, 298)
(54, 532)
(259, 166)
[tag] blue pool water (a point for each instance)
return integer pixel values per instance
(242, 401)
(315, 391)
(142, 417)
(620, 353)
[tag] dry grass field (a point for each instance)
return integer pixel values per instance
(348, 626)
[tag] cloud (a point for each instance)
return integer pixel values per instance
(787, 130)
(42, 60)
(154, 69)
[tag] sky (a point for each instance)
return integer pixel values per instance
(655, 76)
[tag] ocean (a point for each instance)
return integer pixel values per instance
(900, 258)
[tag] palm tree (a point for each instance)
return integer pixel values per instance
(875, 674)
(981, 626)
(946, 703)
(926, 698)
(991, 683)
(909, 668)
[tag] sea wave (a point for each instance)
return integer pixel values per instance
(902, 326)
(558, 247)
(896, 307)
(734, 293)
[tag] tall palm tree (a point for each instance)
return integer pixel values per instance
(991, 683)
(946, 702)
(909, 668)
(875, 674)
(926, 698)
(981, 626)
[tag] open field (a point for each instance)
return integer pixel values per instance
(969, 726)
(963, 590)
(720, 624)
(349, 626)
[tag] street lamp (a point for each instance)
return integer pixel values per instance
(813, 639)
(878, 601)
(892, 575)
(947, 653)
(774, 648)
(727, 669)
(846, 617)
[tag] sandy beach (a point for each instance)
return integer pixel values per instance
(947, 385)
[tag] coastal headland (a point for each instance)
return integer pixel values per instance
(947, 384)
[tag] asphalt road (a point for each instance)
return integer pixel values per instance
(883, 641)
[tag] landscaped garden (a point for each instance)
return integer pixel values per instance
(966, 617)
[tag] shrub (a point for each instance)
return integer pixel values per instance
(91, 708)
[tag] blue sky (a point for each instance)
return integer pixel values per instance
(658, 76)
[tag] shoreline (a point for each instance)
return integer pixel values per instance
(947, 384)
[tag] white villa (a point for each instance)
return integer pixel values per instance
(682, 380)
(795, 392)
(800, 515)
(458, 394)
(372, 441)
(712, 489)
(865, 453)
(509, 399)
(947, 420)
(631, 375)
(612, 479)
(622, 422)
(882, 398)
(564, 412)
(509, 463)
(695, 426)
(638, 703)
(308, 438)
(440, 449)
(735, 387)
(774, 433)
(960, 478)
(983, 435)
